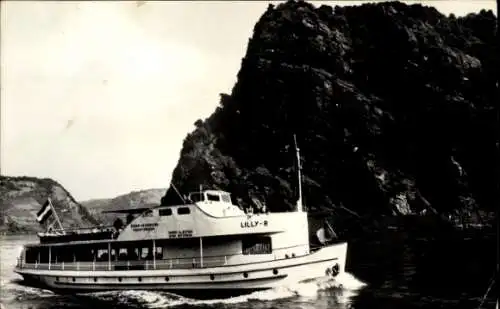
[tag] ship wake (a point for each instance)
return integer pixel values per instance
(344, 287)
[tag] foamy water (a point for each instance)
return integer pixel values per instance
(345, 286)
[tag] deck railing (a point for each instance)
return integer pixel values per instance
(180, 263)
(79, 230)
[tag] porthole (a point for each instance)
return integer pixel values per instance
(139, 279)
(286, 256)
(275, 271)
(293, 255)
(57, 278)
(95, 279)
(73, 279)
(245, 275)
(212, 277)
(119, 279)
(167, 279)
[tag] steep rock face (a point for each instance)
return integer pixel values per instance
(22, 197)
(136, 199)
(392, 105)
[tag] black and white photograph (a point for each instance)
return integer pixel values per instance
(249, 154)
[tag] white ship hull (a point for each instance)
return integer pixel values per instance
(233, 279)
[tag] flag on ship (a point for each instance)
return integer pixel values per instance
(45, 212)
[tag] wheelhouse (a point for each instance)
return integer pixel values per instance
(210, 196)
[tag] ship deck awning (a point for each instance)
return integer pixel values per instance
(127, 211)
(160, 240)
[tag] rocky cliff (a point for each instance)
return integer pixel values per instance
(135, 199)
(392, 105)
(22, 197)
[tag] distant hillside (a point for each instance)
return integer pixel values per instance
(22, 197)
(136, 199)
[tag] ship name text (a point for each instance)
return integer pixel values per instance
(253, 223)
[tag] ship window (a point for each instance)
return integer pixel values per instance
(44, 255)
(159, 253)
(102, 255)
(226, 199)
(165, 212)
(257, 245)
(53, 254)
(64, 254)
(31, 255)
(122, 254)
(183, 211)
(213, 197)
(196, 197)
(147, 253)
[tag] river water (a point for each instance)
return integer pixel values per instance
(450, 272)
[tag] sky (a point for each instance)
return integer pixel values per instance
(100, 95)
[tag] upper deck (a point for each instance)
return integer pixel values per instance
(208, 213)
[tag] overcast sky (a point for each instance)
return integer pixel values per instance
(100, 95)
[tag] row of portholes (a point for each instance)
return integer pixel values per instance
(212, 277)
(119, 279)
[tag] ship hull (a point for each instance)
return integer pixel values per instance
(212, 282)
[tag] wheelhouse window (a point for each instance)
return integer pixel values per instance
(183, 211)
(213, 197)
(196, 197)
(256, 245)
(165, 212)
(226, 198)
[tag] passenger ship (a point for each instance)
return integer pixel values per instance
(206, 244)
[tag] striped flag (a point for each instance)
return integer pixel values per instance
(45, 212)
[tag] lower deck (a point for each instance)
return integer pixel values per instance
(186, 253)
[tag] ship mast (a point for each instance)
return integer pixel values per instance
(299, 167)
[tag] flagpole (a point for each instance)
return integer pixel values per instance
(300, 207)
(51, 225)
(56, 216)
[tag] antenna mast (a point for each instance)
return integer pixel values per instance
(299, 167)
